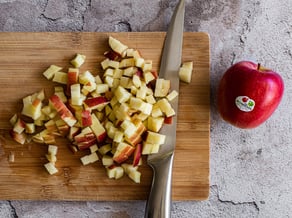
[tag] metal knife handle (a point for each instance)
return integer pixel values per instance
(159, 200)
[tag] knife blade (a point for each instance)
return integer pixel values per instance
(159, 200)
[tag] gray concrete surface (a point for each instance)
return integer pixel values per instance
(251, 170)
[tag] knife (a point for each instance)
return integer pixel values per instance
(159, 200)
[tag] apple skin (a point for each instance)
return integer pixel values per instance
(260, 84)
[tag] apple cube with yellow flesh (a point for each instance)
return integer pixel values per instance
(166, 107)
(50, 72)
(50, 167)
(117, 46)
(90, 158)
(78, 60)
(114, 172)
(162, 87)
(155, 138)
(19, 126)
(155, 123)
(107, 160)
(185, 72)
(60, 77)
(122, 94)
(132, 172)
(32, 108)
(149, 148)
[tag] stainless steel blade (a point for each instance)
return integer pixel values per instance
(169, 67)
(159, 201)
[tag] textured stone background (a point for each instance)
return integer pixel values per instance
(251, 170)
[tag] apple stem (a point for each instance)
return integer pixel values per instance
(259, 66)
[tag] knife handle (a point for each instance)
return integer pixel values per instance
(159, 200)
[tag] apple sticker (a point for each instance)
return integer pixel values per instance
(244, 103)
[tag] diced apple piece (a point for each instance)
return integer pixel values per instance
(86, 77)
(78, 60)
(185, 72)
(128, 62)
(147, 66)
(50, 167)
(86, 118)
(129, 71)
(139, 62)
(115, 172)
(137, 154)
(172, 95)
(150, 99)
(155, 138)
(30, 128)
(96, 103)
(132, 172)
(32, 108)
(19, 126)
(155, 123)
(90, 158)
(13, 119)
(148, 77)
(52, 149)
(62, 110)
(117, 46)
(123, 152)
(135, 176)
(18, 137)
(165, 107)
(98, 129)
(76, 94)
(107, 160)
(60, 77)
(105, 149)
(122, 94)
(162, 87)
(128, 127)
(50, 72)
(73, 132)
(51, 158)
(149, 148)
(73, 75)
(118, 73)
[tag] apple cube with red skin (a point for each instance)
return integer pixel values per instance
(98, 129)
(137, 155)
(123, 152)
(86, 118)
(62, 110)
(248, 94)
(96, 103)
(18, 137)
(72, 78)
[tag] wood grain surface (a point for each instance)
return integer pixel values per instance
(24, 57)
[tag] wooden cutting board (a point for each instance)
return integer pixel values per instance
(24, 57)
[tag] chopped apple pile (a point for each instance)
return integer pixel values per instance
(116, 116)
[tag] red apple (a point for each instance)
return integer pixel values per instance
(248, 94)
